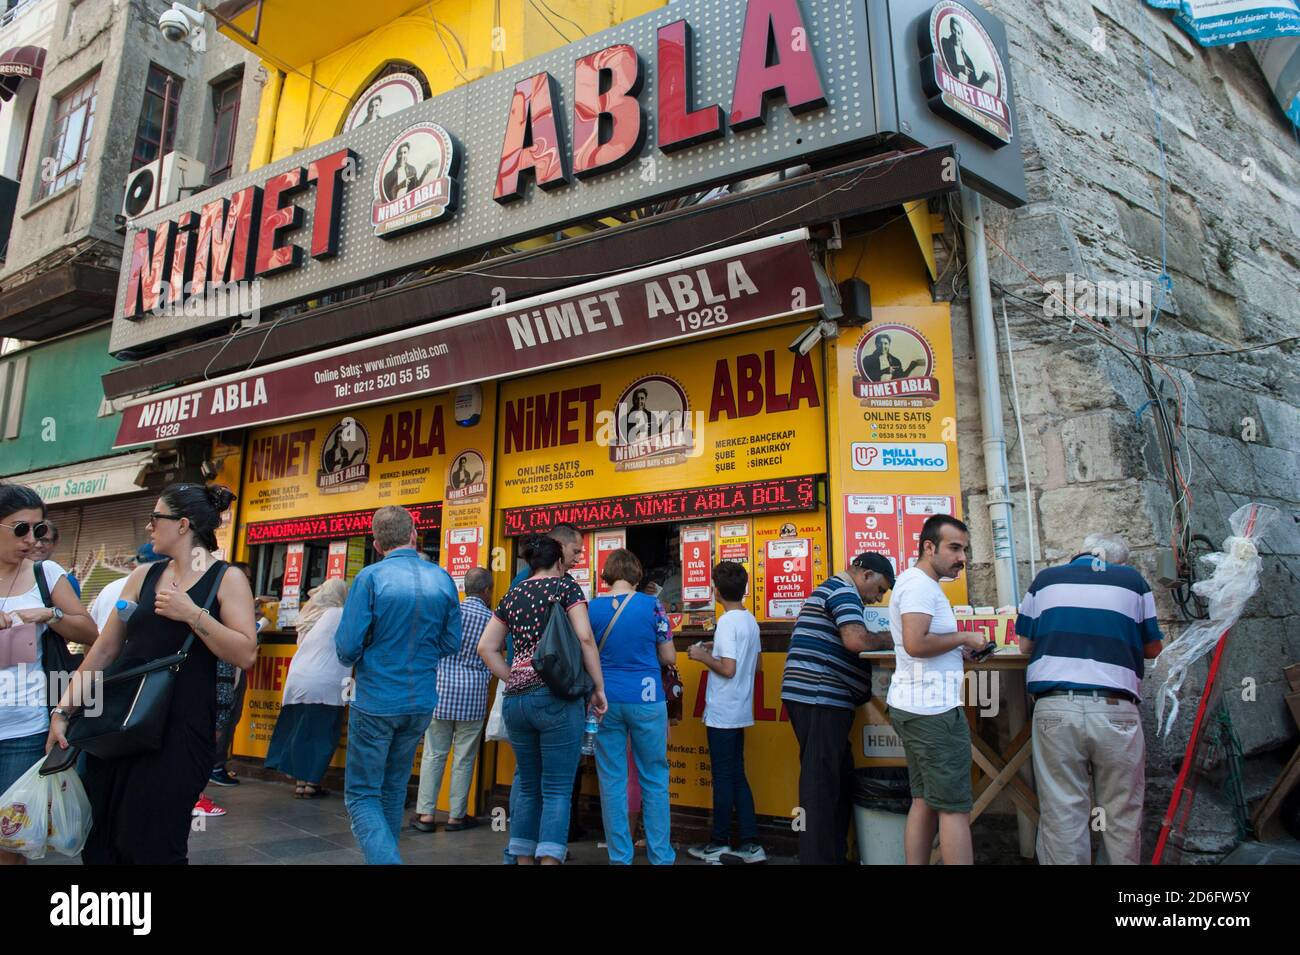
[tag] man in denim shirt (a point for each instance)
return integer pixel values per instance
(401, 617)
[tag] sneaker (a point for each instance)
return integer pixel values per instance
(222, 777)
(206, 807)
(708, 852)
(743, 855)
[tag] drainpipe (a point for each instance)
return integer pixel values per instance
(990, 389)
(995, 461)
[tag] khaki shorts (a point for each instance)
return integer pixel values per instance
(938, 757)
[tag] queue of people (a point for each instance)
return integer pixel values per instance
(414, 662)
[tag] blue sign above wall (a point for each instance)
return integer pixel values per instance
(1219, 22)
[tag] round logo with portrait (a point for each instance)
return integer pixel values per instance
(466, 478)
(963, 72)
(387, 95)
(343, 464)
(894, 368)
(652, 425)
(415, 182)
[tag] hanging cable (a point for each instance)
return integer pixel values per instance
(1020, 436)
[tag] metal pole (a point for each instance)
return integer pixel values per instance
(995, 460)
(162, 140)
(990, 387)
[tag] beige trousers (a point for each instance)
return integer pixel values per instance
(1090, 767)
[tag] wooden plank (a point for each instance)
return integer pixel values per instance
(1267, 826)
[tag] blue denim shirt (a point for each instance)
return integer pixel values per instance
(401, 617)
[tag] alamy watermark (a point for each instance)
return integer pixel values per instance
(1124, 299)
(217, 300)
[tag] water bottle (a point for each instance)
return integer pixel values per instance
(124, 609)
(589, 735)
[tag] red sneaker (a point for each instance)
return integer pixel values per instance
(206, 807)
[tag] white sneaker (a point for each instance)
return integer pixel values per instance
(743, 855)
(709, 852)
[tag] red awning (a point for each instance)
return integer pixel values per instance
(17, 64)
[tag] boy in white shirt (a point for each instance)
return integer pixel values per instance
(732, 658)
(925, 696)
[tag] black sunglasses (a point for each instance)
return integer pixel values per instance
(155, 517)
(23, 528)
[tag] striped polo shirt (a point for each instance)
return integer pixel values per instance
(1090, 623)
(818, 669)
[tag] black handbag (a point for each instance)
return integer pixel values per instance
(135, 703)
(558, 657)
(58, 662)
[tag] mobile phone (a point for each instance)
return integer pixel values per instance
(984, 652)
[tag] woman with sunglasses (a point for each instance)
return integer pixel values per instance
(23, 618)
(141, 804)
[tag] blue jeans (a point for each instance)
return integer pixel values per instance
(18, 755)
(381, 753)
(546, 735)
(646, 725)
(730, 787)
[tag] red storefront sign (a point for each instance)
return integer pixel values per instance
(336, 567)
(917, 509)
(871, 524)
(462, 552)
(697, 564)
(345, 524)
(606, 544)
(787, 576)
(753, 497)
(685, 299)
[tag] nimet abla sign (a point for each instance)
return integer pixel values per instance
(696, 93)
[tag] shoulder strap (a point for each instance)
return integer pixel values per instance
(613, 620)
(42, 584)
(222, 567)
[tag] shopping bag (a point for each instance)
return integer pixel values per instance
(25, 814)
(496, 721)
(69, 814)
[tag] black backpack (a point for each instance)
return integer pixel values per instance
(558, 657)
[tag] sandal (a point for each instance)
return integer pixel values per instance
(300, 791)
(312, 791)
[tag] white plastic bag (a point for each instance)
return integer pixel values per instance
(69, 813)
(496, 721)
(1233, 582)
(38, 813)
(25, 814)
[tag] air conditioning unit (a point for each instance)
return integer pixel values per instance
(143, 194)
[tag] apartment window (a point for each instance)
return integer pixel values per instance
(148, 135)
(74, 121)
(225, 109)
(13, 378)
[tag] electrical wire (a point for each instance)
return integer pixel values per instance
(439, 27)
(549, 22)
(562, 16)
(1020, 436)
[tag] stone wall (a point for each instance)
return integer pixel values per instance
(1232, 240)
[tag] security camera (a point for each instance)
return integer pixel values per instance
(808, 338)
(180, 22)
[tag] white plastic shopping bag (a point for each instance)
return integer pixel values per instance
(25, 814)
(69, 813)
(39, 813)
(496, 721)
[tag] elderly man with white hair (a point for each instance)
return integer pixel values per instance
(1088, 625)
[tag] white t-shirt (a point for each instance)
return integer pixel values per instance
(22, 687)
(729, 703)
(315, 674)
(101, 609)
(933, 684)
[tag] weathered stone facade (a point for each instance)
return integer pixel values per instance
(1232, 237)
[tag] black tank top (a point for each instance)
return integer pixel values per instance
(149, 636)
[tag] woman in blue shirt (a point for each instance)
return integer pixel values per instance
(631, 653)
